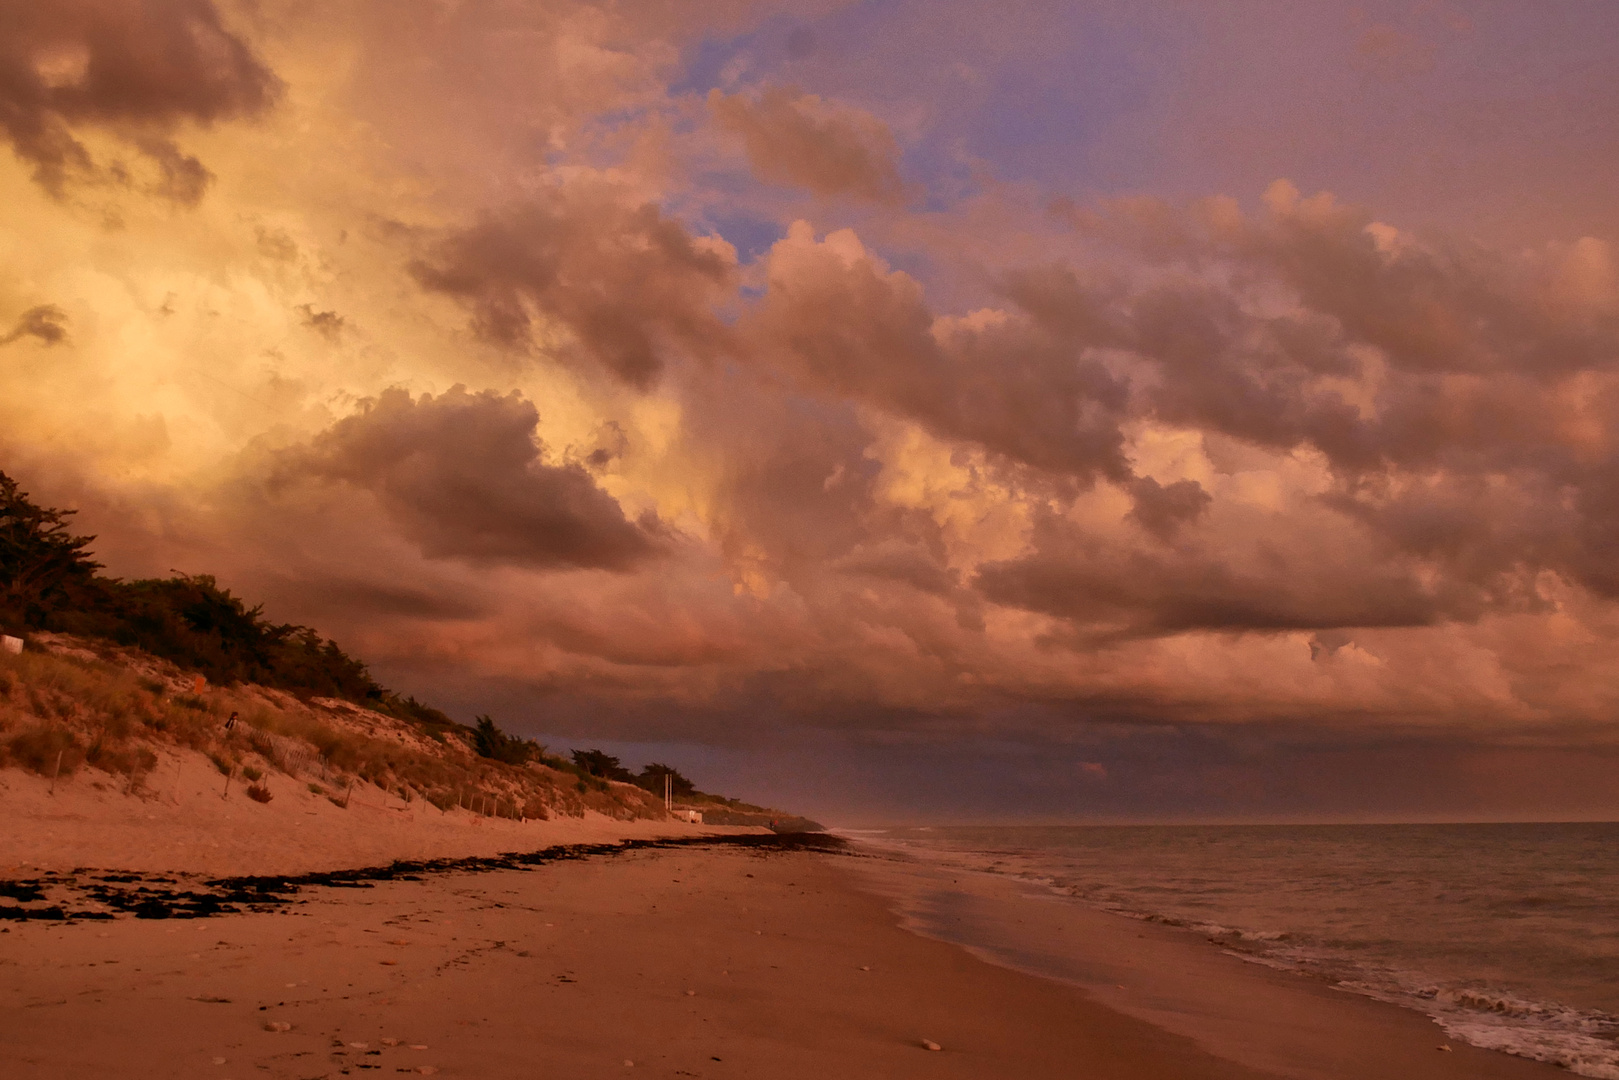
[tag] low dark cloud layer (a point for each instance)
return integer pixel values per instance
(137, 69)
(462, 474)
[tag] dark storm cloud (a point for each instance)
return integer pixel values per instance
(1145, 594)
(1482, 438)
(1461, 400)
(843, 322)
(1162, 509)
(1476, 342)
(463, 476)
(134, 67)
(625, 282)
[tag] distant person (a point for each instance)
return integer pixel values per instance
(231, 722)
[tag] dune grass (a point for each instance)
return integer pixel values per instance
(70, 704)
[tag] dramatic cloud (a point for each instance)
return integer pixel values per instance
(837, 315)
(462, 475)
(577, 272)
(800, 140)
(1015, 449)
(1162, 509)
(136, 69)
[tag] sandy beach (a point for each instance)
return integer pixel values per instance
(708, 961)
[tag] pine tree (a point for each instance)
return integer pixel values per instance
(40, 558)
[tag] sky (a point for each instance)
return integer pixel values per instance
(898, 412)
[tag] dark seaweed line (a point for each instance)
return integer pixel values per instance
(147, 898)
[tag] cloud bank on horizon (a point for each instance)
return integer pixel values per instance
(724, 372)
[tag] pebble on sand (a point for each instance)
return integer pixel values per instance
(390, 1042)
(277, 1025)
(929, 1044)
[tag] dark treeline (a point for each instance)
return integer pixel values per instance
(651, 777)
(489, 741)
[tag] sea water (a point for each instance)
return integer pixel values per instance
(1507, 935)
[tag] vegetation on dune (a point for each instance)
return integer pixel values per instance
(717, 809)
(42, 564)
(50, 581)
(75, 703)
(492, 743)
(96, 696)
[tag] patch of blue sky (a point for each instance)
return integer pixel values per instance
(960, 102)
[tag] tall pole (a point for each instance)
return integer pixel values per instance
(667, 803)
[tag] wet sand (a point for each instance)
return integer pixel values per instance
(694, 962)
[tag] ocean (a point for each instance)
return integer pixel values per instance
(1507, 935)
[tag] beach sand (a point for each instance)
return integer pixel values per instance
(684, 962)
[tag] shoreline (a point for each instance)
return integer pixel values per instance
(728, 957)
(1279, 1021)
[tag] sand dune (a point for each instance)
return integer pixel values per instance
(186, 818)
